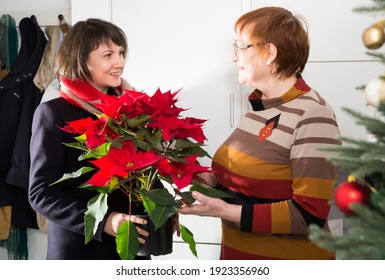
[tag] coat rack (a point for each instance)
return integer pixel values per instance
(44, 18)
(63, 23)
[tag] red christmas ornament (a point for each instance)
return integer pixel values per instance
(348, 193)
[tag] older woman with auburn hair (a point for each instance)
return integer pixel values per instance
(279, 179)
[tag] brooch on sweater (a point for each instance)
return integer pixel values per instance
(267, 130)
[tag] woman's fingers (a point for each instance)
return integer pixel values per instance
(115, 220)
(137, 220)
(141, 240)
(141, 231)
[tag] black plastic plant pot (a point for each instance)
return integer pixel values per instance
(159, 242)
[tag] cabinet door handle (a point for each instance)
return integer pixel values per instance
(231, 109)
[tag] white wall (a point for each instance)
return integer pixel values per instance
(337, 63)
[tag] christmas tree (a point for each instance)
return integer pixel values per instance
(362, 196)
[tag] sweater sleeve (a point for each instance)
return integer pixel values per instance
(313, 174)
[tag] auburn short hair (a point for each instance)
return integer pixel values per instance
(288, 32)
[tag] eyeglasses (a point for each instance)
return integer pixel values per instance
(238, 49)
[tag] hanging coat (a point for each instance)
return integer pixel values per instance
(9, 44)
(46, 72)
(19, 98)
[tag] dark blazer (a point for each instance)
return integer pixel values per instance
(64, 204)
(19, 98)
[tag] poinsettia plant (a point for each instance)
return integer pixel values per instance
(136, 141)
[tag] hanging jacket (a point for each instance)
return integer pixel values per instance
(19, 98)
(46, 72)
(9, 44)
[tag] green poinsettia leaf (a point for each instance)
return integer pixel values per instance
(135, 122)
(143, 145)
(159, 196)
(104, 189)
(159, 214)
(73, 175)
(77, 145)
(167, 179)
(127, 243)
(155, 139)
(81, 138)
(148, 204)
(96, 210)
(188, 237)
(127, 134)
(186, 197)
(209, 191)
(141, 132)
(193, 151)
(98, 152)
(179, 203)
(188, 147)
(181, 144)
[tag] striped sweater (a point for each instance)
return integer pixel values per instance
(272, 166)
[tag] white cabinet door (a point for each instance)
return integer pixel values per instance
(187, 45)
(81, 10)
(335, 30)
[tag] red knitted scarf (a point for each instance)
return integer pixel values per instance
(81, 94)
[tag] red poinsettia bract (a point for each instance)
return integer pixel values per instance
(121, 162)
(135, 142)
(95, 130)
(173, 127)
(181, 172)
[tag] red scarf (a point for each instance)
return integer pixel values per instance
(81, 94)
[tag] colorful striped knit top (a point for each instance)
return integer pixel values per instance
(272, 165)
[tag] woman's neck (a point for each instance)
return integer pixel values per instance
(275, 87)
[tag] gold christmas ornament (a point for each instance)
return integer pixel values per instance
(374, 36)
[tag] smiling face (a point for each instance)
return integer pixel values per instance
(252, 62)
(285, 37)
(106, 64)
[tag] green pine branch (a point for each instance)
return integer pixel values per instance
(365, 239)
(379, 56)
(377, 8)
(374, 125)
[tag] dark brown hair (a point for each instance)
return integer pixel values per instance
(288, 32)
(81, 40)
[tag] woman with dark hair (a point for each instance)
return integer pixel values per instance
(91, 60)
(279, 179)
